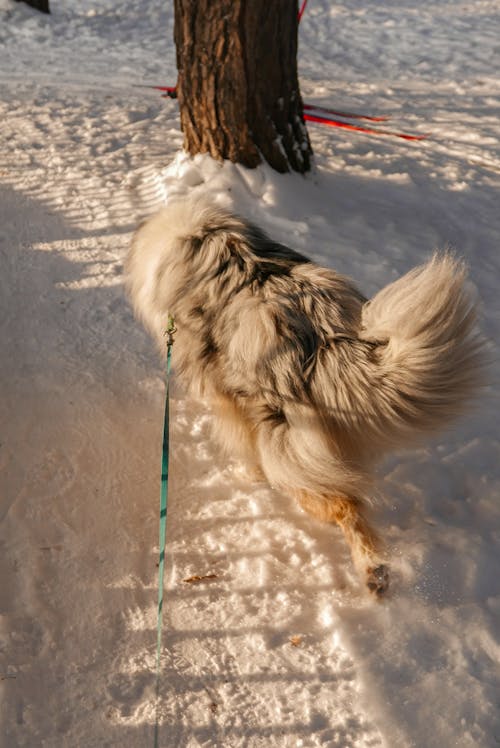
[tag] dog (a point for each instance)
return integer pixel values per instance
(311, 383)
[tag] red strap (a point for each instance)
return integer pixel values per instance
(349, 115)
(358, 128)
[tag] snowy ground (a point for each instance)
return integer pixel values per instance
(281, 648)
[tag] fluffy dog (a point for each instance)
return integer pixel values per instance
(310, 382)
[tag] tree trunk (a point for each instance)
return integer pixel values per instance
(238, 89)
(42, 5)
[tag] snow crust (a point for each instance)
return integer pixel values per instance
(278, 645)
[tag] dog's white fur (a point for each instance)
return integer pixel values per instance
(309, 381)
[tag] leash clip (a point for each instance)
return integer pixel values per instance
(170, 331)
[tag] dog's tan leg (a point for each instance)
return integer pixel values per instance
(362, 539)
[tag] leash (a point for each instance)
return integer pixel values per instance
(171, 329)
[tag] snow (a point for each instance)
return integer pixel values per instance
(280, 646)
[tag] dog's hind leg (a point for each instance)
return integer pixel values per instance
(363, 540)
(299, 459)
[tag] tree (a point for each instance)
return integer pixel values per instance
(237, 82)
(42, 5)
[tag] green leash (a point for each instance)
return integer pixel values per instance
(163, 521)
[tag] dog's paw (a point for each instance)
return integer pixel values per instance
(377, 579)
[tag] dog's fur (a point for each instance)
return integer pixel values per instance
(310, 382)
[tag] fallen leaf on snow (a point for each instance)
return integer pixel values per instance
(195, 579)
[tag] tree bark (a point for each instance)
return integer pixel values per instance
(237, 82)
(42, 5)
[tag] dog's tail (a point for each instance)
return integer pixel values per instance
(429, 360)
